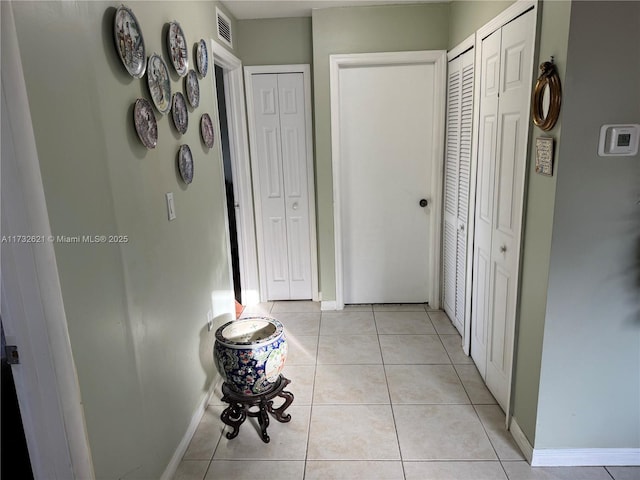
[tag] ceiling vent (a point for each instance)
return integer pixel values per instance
(224, 28)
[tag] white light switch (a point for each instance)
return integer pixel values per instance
(171, 209)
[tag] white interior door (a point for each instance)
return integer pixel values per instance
(280, 129)
(386, 160)
(506, 75)
(456, 187)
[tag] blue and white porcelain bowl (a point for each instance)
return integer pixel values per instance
(250, 353)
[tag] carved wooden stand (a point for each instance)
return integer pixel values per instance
(240, 407)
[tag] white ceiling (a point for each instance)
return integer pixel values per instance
(247, 9)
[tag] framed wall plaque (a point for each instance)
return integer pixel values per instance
(544, 156)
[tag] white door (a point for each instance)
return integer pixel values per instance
(505, 91)
(386, 160)
(456, 186)
(280, 129)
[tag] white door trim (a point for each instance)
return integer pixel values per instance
(511, 13)
(438, 58)
(32, 307)
(241, 170)
(305, 70)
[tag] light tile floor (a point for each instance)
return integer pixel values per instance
(381, 392)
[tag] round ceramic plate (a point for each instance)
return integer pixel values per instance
(202, 58)
(185, 164)
(129, 41)
(192, 88)
(206, 130)
(145, 122)
(177, 46)
(159, 83)
(179, 112)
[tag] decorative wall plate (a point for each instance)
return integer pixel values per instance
(179, 112)
(177, 47)
(185, 164)
(159, 83)
(202, 58)
(206, 130)
(192, 88)
(129, 41)
(145, 121)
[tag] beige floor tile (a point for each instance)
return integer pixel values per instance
(347, 323)
(191, 470)
(524, 471)
(473, 384)
(352, 432)
(297, 306)
(441, 432)
(453, 344)
(204, 440)
(257, 309)
(399, 307)
(349, 350)
(353, 470)
(425, 384)
(302, 349)
(492, 418)
(442, 323)
(454, 471)
(302, 378)
(306, 323)
(413, 350)
(255, 469)
(404, 323)
(288, 440)
(624, 473)
(350, 384)
(359, 307)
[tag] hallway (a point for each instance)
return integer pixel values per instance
(381, 392)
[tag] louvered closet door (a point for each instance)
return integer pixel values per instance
(457, 174)
(283, 193)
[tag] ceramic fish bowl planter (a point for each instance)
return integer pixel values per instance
(250, 354)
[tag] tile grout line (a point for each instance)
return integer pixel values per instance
(393, 414)
(313, 391)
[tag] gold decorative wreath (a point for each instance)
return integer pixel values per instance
(548, 79)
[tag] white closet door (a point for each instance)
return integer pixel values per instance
(507, 57)
(513, 125)
(282, 169)
(457, 176)
(488, 127)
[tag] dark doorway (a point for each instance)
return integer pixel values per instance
(228, 181)
(14, 453)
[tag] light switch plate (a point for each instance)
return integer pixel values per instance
(171, 208)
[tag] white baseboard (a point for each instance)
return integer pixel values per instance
(328, 305)
(585, 457)
(521, 440)
(172, 467)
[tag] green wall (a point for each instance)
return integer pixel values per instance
(358, 30)
(136, 311)
(538, 227)
(589, 382)
(468, 16)
(274, 41)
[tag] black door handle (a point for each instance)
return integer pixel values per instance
(424, 202)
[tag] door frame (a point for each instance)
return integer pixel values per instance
(519, 8)
(305, 70)
(32, 307)
(439, 59)
(241, 170)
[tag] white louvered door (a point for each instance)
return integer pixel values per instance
(457, 175)
(285, 250)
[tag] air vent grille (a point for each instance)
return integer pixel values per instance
(224, 28)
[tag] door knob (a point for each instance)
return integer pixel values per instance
(424, 202)
(503, 248)
(295, 206)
